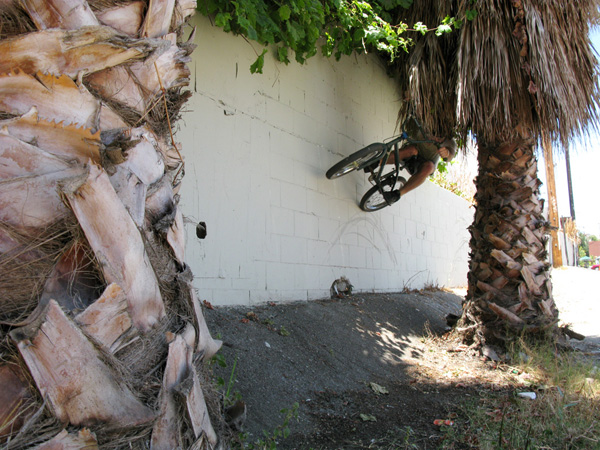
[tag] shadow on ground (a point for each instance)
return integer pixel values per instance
(325, 355)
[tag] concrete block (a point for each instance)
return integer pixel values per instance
(364, 280)
(293, 197)
(292, 96)
(415, 211)
(267, 248)
(416, 248)
(317, 203)
(357, 257)
(305, 126)
(260, 296)
(399, 225)
(326, 186)
(275, 192)
(281, 167)
(422, 231)
(426, 247)
(279, 116)
(282, 221)
(294, 250)
(411, 228)
(313, 175)
(317, 294)
(315, 105)
(328, 274)
(318, 253)
(227, 297)
(338, 255)
(307, 277)
(279, 276)
(306, 225)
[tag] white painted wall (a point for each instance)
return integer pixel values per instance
(256, 150)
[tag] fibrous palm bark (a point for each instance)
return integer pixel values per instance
(102, 332)
(509, 282)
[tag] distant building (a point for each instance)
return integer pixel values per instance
(594, 248)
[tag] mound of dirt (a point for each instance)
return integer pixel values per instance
(349, 364)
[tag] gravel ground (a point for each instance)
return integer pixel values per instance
(326, 354)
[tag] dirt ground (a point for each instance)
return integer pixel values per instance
(362, 369)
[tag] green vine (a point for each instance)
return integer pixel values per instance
(346, 26)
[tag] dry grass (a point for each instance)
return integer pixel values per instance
(564, 415)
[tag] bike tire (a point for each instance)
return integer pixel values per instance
(373, 199)
(356, 161)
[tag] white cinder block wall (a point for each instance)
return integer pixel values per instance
(256, 149)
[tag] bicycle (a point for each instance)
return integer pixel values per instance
(375, 156)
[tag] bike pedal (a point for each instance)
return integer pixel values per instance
(391, 196)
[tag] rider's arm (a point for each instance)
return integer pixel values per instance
(447, 149)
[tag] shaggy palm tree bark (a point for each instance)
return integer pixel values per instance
(101, 332)
(509, 282)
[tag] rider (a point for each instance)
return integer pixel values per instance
(425, 157)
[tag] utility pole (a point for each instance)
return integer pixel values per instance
(552, 204)
(570, 184)
(572, 205)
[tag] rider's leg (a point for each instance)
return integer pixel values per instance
(403, 153)
(426, 169)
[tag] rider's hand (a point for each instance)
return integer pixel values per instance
(444, 152)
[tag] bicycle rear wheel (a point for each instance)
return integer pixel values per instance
(373, 199)
(356, 161)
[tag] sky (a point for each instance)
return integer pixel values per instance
(585, 175)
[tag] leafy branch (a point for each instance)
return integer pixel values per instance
(346, 26)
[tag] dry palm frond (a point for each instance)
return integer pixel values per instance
(14, 20)
(563, 66)
(426, 72)
(527, 69)
(27, 265)
(175, 99)
(490, 81)
(518, 68)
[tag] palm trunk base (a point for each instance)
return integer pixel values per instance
(510, 291)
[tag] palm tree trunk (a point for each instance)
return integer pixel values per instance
(101, 331)
(509, 281)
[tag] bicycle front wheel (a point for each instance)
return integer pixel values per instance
(356, 161)
(373, 199)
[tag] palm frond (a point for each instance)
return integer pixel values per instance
(519, 68)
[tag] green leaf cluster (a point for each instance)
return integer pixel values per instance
(297, 25)
(345, 26)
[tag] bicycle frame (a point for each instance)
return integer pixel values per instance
(394, 146)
